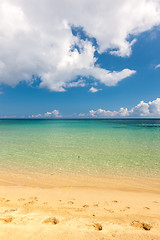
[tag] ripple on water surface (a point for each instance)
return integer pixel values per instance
(112, 147)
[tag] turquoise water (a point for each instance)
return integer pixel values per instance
(95, 147)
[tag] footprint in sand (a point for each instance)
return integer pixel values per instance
(97, 226)
(141, 225)
(96, 205)
(29, 203)
(11, 210)
(122, 210)
(127, 207)
(109, 210)
(8, 219)
(21, 199)
(146, 208)
(70, 202)
(34, 199)
(4, 200)
(52, 221)
(85, 206)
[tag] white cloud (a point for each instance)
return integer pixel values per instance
(37, 116)
(157, 66)
(82, 115)
(53, 114)
(36, 38)
(125, 50)
(141, 110)
(154, 107)
(94, 90)
(102, 113)
(150, 109)
(79, 83)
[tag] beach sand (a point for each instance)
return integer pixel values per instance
(49, 206)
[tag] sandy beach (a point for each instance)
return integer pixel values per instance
(43, 206)
(79, 120)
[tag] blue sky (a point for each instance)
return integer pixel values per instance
(62, 85)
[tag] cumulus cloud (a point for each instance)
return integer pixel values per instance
(79, 83)
(53, 114)
(150, 109)
(154, 107)
(141, 110)
(36, 39)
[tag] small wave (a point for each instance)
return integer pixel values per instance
(149, 126)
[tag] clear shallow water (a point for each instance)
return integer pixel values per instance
(96, 147)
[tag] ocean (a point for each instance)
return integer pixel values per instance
(112, 147)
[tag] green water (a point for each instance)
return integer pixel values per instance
(95, 147)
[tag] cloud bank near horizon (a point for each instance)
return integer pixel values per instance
(43, 45)
(53, 114)
(141, 110)
(150, 109)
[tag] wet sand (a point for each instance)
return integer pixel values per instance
(43, 206)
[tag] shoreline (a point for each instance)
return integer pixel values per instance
(44, 180)
(41, 206)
